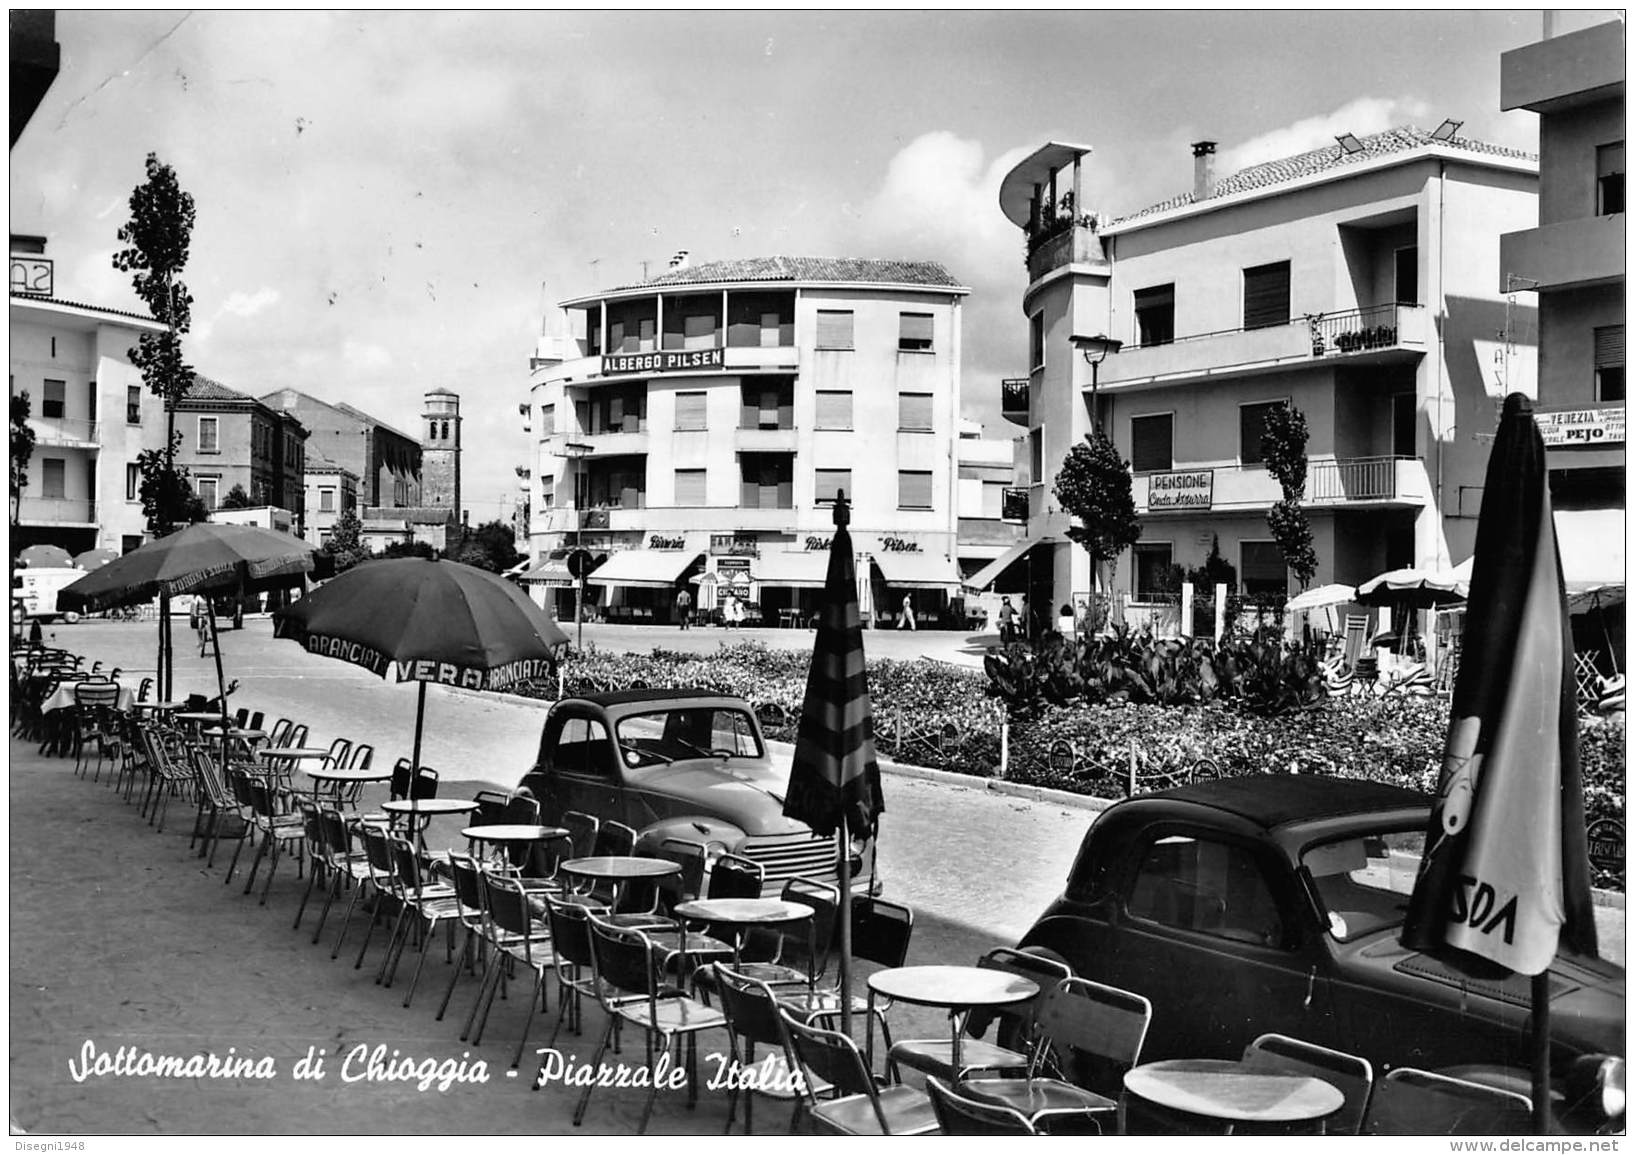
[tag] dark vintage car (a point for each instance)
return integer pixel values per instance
(682, 764)
(1275, 903)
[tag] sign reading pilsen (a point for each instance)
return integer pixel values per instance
(663, 361)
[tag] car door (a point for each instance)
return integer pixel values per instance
(585, 775)
(1212, 933)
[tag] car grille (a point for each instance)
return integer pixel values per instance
(791, 856)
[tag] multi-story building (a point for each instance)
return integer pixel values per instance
(696, 427)
(386, 461)
(90, 412)
(1357, 282)
(440, 452)
(1573, 258)
(229, 438)
(330, 490)
(987, 468)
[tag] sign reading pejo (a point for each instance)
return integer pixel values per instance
(1582, 426)
(663, 361)
(1193, 489)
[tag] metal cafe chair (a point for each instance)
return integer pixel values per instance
(831, 1063)
(958, 1115)
(1415, 1102)
(1351, 1075)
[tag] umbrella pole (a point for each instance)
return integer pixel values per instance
(159, 659)
(221, 680)
(1541, 1052)
(419, 717)
(843, 865)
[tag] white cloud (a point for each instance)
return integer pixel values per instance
(249, 304)
(1362, 116)
(365, 357)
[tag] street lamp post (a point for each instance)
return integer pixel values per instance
(575, 451)
(1095, 350)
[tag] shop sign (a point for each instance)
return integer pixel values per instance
(1582, 426)
(898, 545)
(663, 361)
(31, 276)
(815, 543)
(734, 545)
(1015, 505)
(1193, 489)
(659, 541)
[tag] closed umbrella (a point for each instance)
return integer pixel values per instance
(1505, 875)
(46, 557)
(418, 620)
(94, 559)
(834, 786)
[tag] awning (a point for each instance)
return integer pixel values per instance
(1591, 542)
(988, 574)
(547, 571)
(802, 569)
(654, 568)
(918, 571)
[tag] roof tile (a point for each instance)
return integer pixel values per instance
(860, 270)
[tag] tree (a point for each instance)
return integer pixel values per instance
(1283, 448)
(157, 237)
(22, 450)
(1094, 486)
(237, 499)
(491, 546)
(166, 494)
(409, 549)
(346, 541)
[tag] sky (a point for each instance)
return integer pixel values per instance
(389, 202)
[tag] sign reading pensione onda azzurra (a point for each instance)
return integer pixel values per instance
(426, 670)
(1193, 489)
(663, 361)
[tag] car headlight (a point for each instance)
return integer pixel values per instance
(1597, 1082)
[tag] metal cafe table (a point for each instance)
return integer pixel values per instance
(741, 914)
(281, 760)
(501, 835)
(418, 812)
(959, 989)
(338, 779)
(1228, 1092)
(617, 869)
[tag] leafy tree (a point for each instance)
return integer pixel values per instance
(22, 450)
(166, 494)
(1283, 447)
(491, 546)
(346, 541)
(1094, 486)
(157, 237)
(409, 549)
(237, 499)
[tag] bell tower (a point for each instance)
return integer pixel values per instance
(440, 452)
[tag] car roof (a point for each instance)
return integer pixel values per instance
(626, 697)
(1273, 800)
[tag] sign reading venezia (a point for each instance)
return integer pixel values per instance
(1194, 489)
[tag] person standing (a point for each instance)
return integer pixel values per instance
(735, 612)
(684, 609)
(201, 622)
(906, 622)
(1007, 620)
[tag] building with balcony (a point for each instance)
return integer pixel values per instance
(1571, 261)
(696, 427)
(1356, 282)
(987, 468)
(89, 410)
(387, 462)
(230, 439)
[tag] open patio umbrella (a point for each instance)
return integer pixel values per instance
(94, 559)
(834, 786)
(46, 557)
(1322, 597)
(418, 620)
(1420, 589)
(1505, 875)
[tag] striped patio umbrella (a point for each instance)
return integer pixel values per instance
(1505, 875)
(834, 786)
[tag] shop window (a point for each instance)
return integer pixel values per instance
(834, 409)
(1155, 315)
(834, 329)
(51, 404)
(1609, 363)
(1150, 571)
(913, 489)
(1266, 295)
(1251, 427)
(1609, 179)
(1152, 443)
(914, 332)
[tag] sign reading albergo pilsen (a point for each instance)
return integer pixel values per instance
(663, 361)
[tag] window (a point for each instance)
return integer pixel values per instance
(1609, 179)
(1609, 363)
(1036, 456)
(1208, 887)
(53, 470)
(133, 405)
(914, 412)
(547, 420)
(133, 482)
(547, 493)
(914, 333)
(913, 489)
(582, 748)
(1266, 295)
(326, 500)
(1152, 443)
(1407, 262)
(1263, 570)
(91, 401)
(1036, 341)
(1150, 573)
(1251, 426)
(51, 405)
(209, 435)
(767, 481)
(834, 409)
(1155, 315)
(831, 480)
(690, 487)
(834, 329)
(690, 411)
(206, 488)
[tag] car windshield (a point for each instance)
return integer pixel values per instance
(693, 732)
(1364, 880)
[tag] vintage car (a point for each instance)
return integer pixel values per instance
(1275, 903)
(682, 764)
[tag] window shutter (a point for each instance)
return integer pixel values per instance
(1266, 296)
(690, 486)
(914, 331)
(547, 419)
(913, 489)
(769, 409)
(1152, 442)
(769, 331)
(690, 411)
(831, 480)
(834, 329)
(1609, 159)
(1609, 346)
(834, 410)
(914, 411)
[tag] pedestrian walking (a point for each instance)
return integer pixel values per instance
(201, 622)
(684, 609)
(734, 612)
(1007, 620)
(906, 622)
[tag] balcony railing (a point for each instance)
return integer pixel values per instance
(1061, 243)
(1353, 331)
(1013, 399)
(64, 431)
(56, 510)
(1353, 479)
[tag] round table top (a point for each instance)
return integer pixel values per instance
(294, 752)
(348, 774)
(618, 866)
(744, 910)
(199, 717)
(953, 986)
(1226, 1089)
(157, 705)
(512, 832)
(428, 805)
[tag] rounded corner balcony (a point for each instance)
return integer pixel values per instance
(1059, 231)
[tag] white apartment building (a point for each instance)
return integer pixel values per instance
(695, 428)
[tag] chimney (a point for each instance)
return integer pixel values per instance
(679, 261)
(1203, 169)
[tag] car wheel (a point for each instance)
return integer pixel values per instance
(70, 618)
